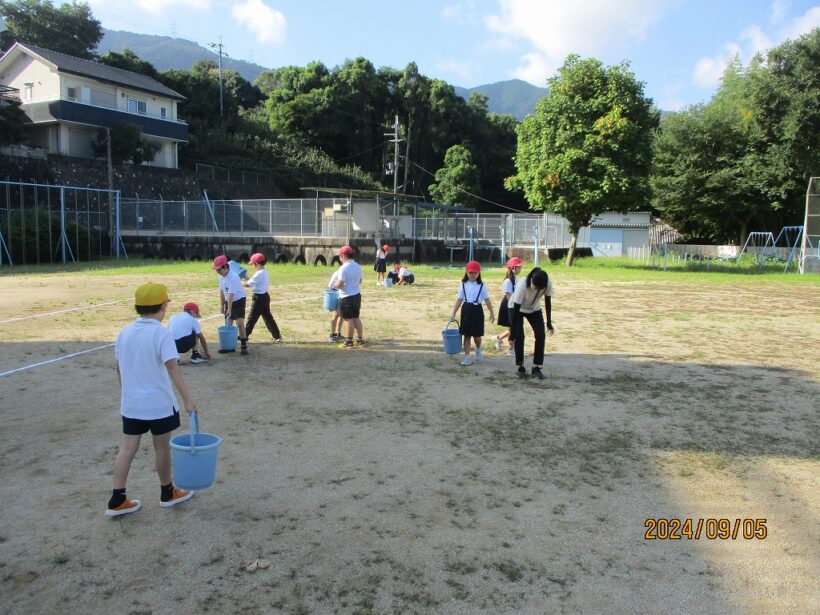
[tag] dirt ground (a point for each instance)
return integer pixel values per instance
(393, 480)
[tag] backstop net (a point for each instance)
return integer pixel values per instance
(810, 253)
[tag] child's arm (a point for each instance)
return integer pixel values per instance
(455, 309)
(548, 305)
(222, 300)
(202, 341)
(490, 307)
(179, 382)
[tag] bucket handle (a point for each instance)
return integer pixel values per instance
(227, 321)
(194, 429)
(449, 322)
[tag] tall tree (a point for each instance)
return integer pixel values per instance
(587, 147)
(70, 29)
(457, 181)
(127, 144)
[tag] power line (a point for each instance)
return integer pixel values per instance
(364, 152)
(480, 198)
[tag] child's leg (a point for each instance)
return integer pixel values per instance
(504, 335)
(357, 326)
(334, 322)
(162, 457)
(477, 341)
(240, 322)
(128, 449)
(467, 348)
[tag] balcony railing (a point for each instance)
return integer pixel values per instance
(9, 93)
(102, 106)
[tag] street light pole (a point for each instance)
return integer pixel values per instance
(218, 46)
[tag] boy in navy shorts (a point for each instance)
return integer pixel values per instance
(147, 364)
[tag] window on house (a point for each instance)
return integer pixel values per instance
(136, 106)
(162, 112)
(72, 93)
(28, 91)
(103, 98)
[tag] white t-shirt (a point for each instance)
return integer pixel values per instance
(141, 349)
(530, 298)
(380, 255)
(183, 324)
(230, 283)
(404, 272)
(334, 277)
(476, 293)
(260, 282)
(507, 286)
(351, 274)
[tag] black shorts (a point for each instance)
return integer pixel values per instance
(349, 307)
(238, 309)
(137, 427)
(184, 344)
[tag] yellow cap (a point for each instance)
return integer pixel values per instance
(151, 294)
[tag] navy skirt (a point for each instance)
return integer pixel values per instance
(380, 266)
(504, 314)
(472, 320)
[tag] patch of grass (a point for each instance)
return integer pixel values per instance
(60, 558)
(510, 570)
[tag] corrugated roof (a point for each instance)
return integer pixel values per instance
(101, 72)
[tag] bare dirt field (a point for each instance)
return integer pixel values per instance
(393, 480)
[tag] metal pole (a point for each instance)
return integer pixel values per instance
(535, 247)
(470, 239)
(503, 243)
(62, 222)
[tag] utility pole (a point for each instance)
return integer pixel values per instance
(395, 141)
(218, 46)
(407, 154)
(114, 238)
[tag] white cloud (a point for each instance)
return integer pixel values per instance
(268, 24)
(462, 14)
(451, 12)
(670, 98)
(464, 70)
(807, 22)
(779, 10)
(709, 71)
(557, 28)
(757, 41)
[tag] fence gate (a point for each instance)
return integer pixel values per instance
(43, 223)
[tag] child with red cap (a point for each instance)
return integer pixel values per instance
(260, 304)
(232, 297)
(507, 289)
(186, 331)
(380, 266)
(350, 296)
(147, 366)
(471, 293)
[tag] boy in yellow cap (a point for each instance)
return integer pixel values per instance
(147, 365)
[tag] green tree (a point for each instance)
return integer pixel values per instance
(587, 147)
(127, 143)
(457, 181)
(12, 120)
(70, 29)
(128, 60)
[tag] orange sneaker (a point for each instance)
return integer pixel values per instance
(180, 495)
(128, 506)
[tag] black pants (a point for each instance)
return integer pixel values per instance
(260, 306)
(536, 320)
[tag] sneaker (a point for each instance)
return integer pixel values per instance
(333, 338)
(511, 351)
(348, 344)
(180, 495)
(479, 355)
(278, 340)
(244, 349)
(197, 358)
(537, 373)
(467, 360)
(359, 343)
(128, 506)
(521, 373)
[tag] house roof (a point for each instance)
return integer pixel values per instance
(101, 72)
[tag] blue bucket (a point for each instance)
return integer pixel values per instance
(452, 339)
(331, 299)
(388, 282)
(227, 337)
(193, 456)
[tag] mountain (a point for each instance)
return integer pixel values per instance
(513, 97)
(165, 52)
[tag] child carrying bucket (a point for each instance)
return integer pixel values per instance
(336, 321)
(231, 297)
(471, 294)
(147, 365)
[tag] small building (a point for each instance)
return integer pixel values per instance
(613, 234)
(67, 99)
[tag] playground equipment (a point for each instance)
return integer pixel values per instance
(761, 245)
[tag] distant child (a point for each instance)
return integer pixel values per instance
(526, 304)
(380, 266)
(507, 288)
(186, 332)
(260, 303)
(350, 296)
(336, 321)
(405, 276)
(147, 365)
(470, 295)
(231, 297)
(394, 274)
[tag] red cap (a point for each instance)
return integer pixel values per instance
(347, 250)
(473, 266)
(386, 248)
(191, 307)
(513, 262)
(220, 261)
(257, 257)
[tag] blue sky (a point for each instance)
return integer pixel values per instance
(678, 48)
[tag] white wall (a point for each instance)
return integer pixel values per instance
(45, 83)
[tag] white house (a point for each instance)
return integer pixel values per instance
(613, 234)
(67, 99)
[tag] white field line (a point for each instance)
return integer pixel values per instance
(76, 354)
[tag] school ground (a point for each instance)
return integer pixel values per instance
(393, 480)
